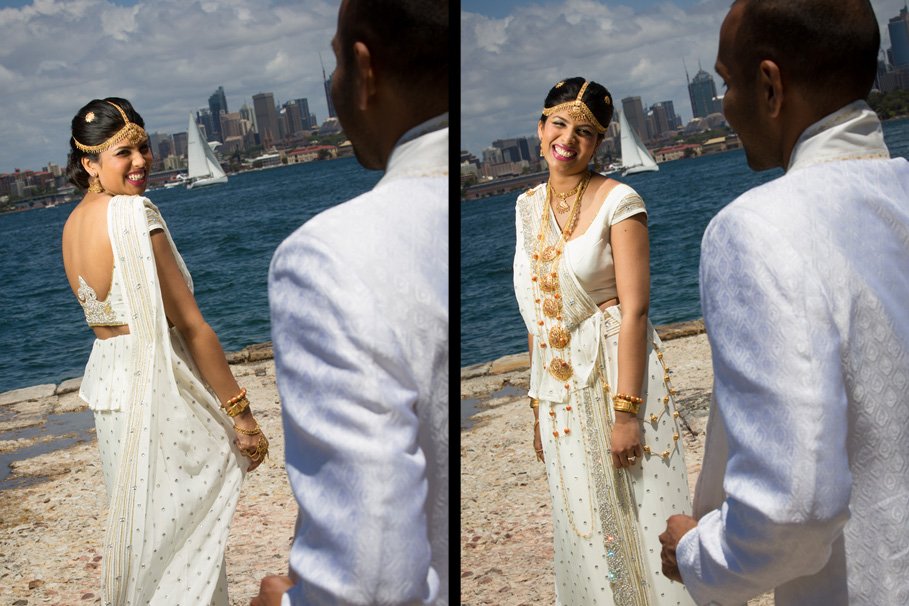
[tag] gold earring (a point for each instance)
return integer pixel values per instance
(94, 185)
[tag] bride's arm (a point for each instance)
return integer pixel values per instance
(183, 312)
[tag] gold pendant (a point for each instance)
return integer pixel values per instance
(563, 206)
(559, 337)
(552, 307)
(549, 253)
(549, 283)
(560, 369)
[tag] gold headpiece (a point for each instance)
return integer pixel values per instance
(133, 133)
(577, 109)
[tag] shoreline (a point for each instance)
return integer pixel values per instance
(506, 524)
(53, 510)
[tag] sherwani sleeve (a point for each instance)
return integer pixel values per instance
(779, 391)
(351, 435)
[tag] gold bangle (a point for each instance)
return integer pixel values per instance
(236, 398)
(237, 408)
(534, 403)
(625, 408)
(632, 399)
(248, 432)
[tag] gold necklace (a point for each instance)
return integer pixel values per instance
(562, 205)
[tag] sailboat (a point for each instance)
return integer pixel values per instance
(635, 157)
(204, 169)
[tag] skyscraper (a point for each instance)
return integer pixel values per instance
(702, 92)
(331, 105)
(217, 103)
(634, 113)
(266, 119)
(308, 119)
(899, 38)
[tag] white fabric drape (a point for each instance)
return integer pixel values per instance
(172, 472)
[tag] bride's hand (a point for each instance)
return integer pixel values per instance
(249, 440)
(626, 440)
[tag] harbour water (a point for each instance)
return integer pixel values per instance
(226, 234)
(681, 199)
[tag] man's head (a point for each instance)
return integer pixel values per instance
(788, 63)
(392, 71)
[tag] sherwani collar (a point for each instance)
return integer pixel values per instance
(852, 132)
(420, 152)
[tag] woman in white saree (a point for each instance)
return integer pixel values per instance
(175, 431)
(604, 422)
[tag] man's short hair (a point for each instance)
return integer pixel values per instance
(831, 46)
(407, 39)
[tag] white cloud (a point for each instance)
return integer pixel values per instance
(166, 56)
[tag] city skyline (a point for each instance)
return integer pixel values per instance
(167, 57)
(513, 52)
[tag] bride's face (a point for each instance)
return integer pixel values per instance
(124, 168)
(567, 145)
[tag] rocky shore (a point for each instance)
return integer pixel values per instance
(53, 505)
(506, 525)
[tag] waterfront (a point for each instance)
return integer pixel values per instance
(681, 199)
(226, 234)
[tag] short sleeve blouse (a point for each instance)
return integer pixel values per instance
(590, 254)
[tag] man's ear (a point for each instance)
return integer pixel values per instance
(771, 85)
(365, 76)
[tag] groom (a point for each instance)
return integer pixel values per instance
(359, 319)
(805, 294)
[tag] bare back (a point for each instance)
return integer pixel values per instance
(87, 252)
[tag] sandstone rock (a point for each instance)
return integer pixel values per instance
(27, 394)
(68, 386)
(519, 361)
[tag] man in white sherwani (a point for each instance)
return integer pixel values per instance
(359, 313)
(805, 292)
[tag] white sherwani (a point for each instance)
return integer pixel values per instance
(805, 293)
(359, 312)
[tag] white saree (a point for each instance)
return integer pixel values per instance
(172, 472)
(606, 522)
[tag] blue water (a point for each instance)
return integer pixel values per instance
(226, 234)
(681, 199)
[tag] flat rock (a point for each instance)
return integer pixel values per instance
(519, 361)
(69, 386)
(27, 394)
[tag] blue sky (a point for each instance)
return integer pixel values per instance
(166, 56)
(513, 51)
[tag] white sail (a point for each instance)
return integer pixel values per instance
(204, 168)
(635, 157)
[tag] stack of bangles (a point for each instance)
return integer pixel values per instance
(624, 403)
(237, 405)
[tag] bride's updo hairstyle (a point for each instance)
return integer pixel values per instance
(595, 99)
(93, 126)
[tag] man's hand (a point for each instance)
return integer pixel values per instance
(270, 591)
(676, 527)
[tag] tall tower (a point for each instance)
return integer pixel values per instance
(217, 103)
(899, 38)
(702, 92)
(634, 112)
(266, 119)
(327, 81)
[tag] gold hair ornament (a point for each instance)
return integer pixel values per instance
(577, 109)
(131, 132)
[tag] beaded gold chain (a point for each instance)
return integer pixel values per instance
(546, 278)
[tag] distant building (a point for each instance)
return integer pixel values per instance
(899, 39)
(327, 84)
(217, 104)
(702, 92)
(634, 113)
(180, 144)
(308, 119)
(266, 119)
